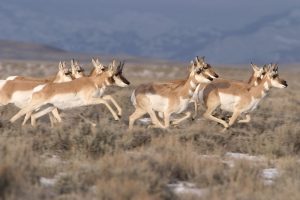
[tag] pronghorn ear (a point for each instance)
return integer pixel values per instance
(254, 67)
(94, 62)
(193, 66)
(60, 67)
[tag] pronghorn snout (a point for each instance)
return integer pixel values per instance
(284, 83)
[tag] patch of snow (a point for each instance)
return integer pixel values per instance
(243, 156)
(145, 120)
(50, 182)
(181, 188)
(269, 175)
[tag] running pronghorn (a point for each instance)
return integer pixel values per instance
(170, 97)
(98, 68)
(237, 97)
(254, 80)
(19, 90)
(79, 92)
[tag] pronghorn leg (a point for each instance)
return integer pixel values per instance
(103, 101)
(154, 118)
(208, 115)
(196, 110)
(56, 115)
(134, 116)
(234, 116)
(52, 120)
(247, 120)
(27, 116)
(167, 119)
(177, 121)
(109, 97)
(23, 111)
(40, 114)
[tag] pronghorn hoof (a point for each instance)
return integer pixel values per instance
(120, 116)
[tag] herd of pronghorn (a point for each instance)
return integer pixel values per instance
(71, 88)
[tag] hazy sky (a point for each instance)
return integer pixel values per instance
(153, 28)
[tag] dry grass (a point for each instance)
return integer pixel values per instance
(108, 162)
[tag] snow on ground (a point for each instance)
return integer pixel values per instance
(269, 175)
(183, 188)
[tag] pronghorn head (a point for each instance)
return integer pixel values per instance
(64, 74)
(77, 70)
(257, 71)
(115, 73)
(273, 77)
(207, 69)
(98, 67)
(197, 72)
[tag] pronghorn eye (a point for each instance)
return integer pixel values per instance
(275, 76)
(199, 71)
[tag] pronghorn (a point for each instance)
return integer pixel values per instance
(254, 79)
(170, 97)
(79, 92)
(19, 92)
(98, 68)
(238, 98)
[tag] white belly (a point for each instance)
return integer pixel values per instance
(65, 101)
(183, 104)
(21, 98)
(228, 101)
(252, 105)
(158, 103)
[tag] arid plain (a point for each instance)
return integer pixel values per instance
(74, 160)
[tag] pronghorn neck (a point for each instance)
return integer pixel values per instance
(102, 81)
(189, 87)
(261, 89)
(253, 81)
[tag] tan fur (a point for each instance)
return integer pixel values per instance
(254, 80)
(168, 98)
(25, 86)
(238, 97)
(80, 92)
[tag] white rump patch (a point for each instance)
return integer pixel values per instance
(10, 78)
(2, 83)
(38, 88)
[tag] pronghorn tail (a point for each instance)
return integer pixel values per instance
(133, 98)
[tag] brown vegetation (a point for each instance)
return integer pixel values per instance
(75, 160)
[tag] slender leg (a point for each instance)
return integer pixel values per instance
(134, 116)
(167, 119)
(109, 97)
(177, 121)
(40, 114)
(103, 101)
(247, 120)
(23, 111)
(208, 115)
(27, 116)
(196, 110)
(234, 116)
(52, 119)
(55, 113)
(154, 118)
